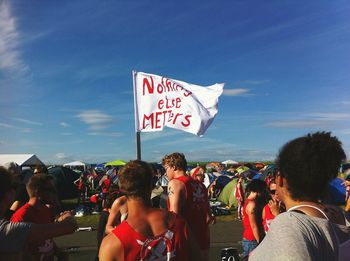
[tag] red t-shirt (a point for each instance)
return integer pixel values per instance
(195, 210)
(40, 214)
(105, 185)
(268, 217)
(172, 243)
(248, 232)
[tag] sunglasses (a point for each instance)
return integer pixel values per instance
(273, 191)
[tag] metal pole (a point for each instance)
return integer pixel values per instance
(138, 145)
(138, 136)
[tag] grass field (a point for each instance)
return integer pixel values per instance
(92, 220)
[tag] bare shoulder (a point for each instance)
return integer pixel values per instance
(119, 202)
(176, 184)
(250, 207)
(111, 249)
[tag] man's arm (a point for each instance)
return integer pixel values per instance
(40, 232)
(176, 196)
(114, 214)
(111, 249)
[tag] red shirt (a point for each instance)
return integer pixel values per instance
(195, 210)
(81, 185)
(105, 185)
(238, 192)
(248, 232)
(40, 214)
(268, 217)
(138, 247)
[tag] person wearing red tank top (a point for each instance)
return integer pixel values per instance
(252, 216)
(42, 191)
(189, 198)
(272, 208)
(148, 233)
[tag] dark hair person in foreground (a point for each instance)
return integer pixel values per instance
(148, 233)
(309, 230)
(14, 236)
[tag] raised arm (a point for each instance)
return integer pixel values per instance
(114, 214)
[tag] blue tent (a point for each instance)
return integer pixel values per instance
(336, 191)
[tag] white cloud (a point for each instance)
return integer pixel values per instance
(64, 124)
(28, 121)
(62, 156)
(96, 120)
(26, 130)
(9, 41)
(235, 92)
(67, 134)
(330, 116)
(150, 136)
(254, 82)
(106, 134)
(7, 126)
(298, 124)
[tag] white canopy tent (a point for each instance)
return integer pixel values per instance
(21, 159)
(229, 162)
(76, 164)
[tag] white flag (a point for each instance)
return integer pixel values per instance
(161, 101)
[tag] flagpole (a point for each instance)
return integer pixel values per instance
(138, 136)
(138, 145)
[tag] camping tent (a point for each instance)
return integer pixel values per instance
(227, 194)
(64, 178)
(21, 159)
(76, 165)
(229, 162)
(336, 192)
(115, 163)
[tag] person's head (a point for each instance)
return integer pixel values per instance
(113, 193)
(174, 162)
(256, 187)
(135, 179)
(272, 187)
(198, 174)
(43, 187)
(308, 164)
(7, 188)
(13, 168)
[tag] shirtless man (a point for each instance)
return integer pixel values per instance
(148, 232)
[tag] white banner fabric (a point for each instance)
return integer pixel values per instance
(161, 101)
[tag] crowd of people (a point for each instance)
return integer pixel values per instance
(285, 216)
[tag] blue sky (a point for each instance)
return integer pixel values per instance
(66, 82)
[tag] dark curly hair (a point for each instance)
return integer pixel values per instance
(309, 163)
(135, 179)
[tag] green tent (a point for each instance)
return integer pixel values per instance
(227, 194)
(115, 163)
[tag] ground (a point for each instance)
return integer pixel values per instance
(227, 232)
